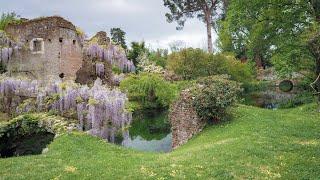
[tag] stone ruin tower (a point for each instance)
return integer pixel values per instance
(49, 48)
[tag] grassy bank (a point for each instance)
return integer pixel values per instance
(257, 143)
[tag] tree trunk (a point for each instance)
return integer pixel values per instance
(258, 60)
(314, 46)
(318, 73)
(209, 33)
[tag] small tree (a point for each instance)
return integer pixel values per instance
(7, 18)
(205, 10)
(136, 50)
(118, 36)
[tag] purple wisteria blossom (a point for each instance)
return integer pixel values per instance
(100, 111)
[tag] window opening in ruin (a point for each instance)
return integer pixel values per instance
(61, 75)
(37, 46)
(74, 42)
(60, 40)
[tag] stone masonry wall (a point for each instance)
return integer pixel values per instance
(185, 122)
(62, 52)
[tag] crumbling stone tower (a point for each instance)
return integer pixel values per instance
(49, 48)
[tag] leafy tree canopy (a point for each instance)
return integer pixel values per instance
(206, 10)
(118, 36)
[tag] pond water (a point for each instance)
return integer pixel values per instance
(149, 131)
(271, 98)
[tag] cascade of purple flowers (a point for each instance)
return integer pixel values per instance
(112, 54)
(5, 55)
(100, 69)
(100, 111)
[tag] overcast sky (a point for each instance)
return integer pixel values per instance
(140, 19)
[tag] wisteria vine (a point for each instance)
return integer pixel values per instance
(101, 111)
(112, 54)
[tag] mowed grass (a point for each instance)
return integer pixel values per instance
(256, 144)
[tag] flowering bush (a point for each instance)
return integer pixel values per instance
(214, 95)
(145, 65)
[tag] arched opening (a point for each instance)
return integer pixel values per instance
(23, 137)
(286, 86)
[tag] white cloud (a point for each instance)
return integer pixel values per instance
(118, 6)
(140, 19)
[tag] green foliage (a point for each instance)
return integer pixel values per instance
(214, 95)
(136, 50)
(194, 63)
(269, 31)
(256, 86)
(159, 57)
(151, 90)
(7, 18)
(188, 63)
(227, 64)
(116, 70)
(118, 37)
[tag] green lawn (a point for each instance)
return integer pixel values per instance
(256, 144)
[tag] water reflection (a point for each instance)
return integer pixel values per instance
(138, 143)
(149, 131)
(272, 98)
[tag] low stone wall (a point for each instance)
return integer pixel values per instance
(185, 122)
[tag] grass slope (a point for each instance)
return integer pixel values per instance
(257, 144)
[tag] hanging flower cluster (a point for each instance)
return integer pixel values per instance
(100, 110)
(100, 69)
(5, 55)
(112, 54)
(5, 48)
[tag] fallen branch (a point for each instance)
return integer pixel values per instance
(314, 83)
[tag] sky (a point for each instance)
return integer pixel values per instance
(142, 20)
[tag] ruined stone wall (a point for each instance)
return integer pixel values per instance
(185, 122)
(88, 75)
(62, 52)
(101, 38)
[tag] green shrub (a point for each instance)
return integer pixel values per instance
(194, 63)
(254, 86)
(159, 57)
(214, 95)
(150, 90)
(188, 63)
